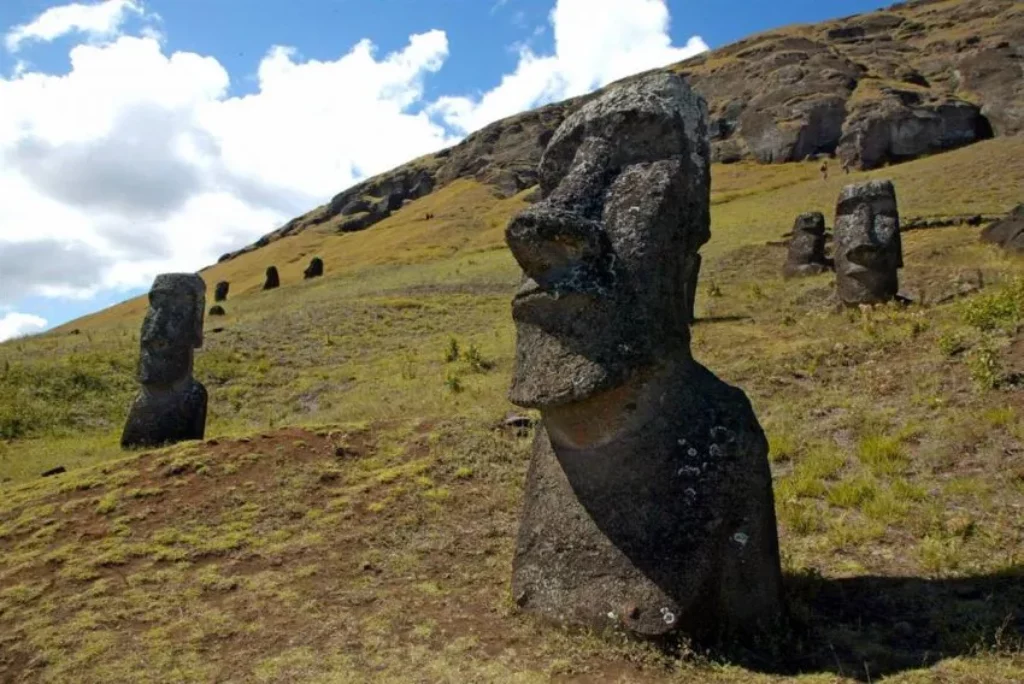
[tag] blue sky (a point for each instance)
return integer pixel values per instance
(124, 161)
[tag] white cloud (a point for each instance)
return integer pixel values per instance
(596, 42)
(139, 161)
(97, 20)
(17, 324)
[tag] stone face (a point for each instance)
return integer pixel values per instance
(868, 248)
(648, 504)
(220, 292)
(315, 268)
(807, 247)
(171, 406)
(273, 279)
(1008, 232)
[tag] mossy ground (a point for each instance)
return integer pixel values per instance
(353, 517)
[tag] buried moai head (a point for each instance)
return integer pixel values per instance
(315, 268)
(172, 328)
(868, 250)
(807, 246)
(220, 292)
(273, 279)
(608, 253)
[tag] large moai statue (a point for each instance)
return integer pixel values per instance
(648, 503)
(273, 280)
(868, 251)
(171, 406)
(220, 292)
(807, 247)
(315, 269)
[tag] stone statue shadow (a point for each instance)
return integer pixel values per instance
(871, 627)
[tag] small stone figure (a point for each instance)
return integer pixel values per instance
(220, 293)
(648, 503)
(807, 247)
(315, 268)
(217, 310)
(273, 280)
(868, 250)
(171, 406)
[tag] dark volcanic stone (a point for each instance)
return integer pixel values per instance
(1008, 232)
(315, 268)
(171, 406)
(807, 247)
(868, 248)
(217, 310)
(220, 293)
(648, 503)
(273, 279)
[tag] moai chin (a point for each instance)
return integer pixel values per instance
(171, 406)
(868, 250)
(648, 503)
(807, 247)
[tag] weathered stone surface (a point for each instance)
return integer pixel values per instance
(217, 310)
(868, 249)
(315, 268)
(1008, 232)
(648, 502)
(220, 292)
(807, 247)
(272, 279)
(171, 406)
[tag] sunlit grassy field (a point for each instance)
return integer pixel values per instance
(352, 515)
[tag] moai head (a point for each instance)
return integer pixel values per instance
(607, 253)
(172, 329)
(868, 248)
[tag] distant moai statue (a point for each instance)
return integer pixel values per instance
(217, 310)
(220, 292)
(171, 406)
(315, 268)
(273, 279)
(807, 247)
(868, 249)
(648, 503)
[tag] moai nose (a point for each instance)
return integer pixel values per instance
(547, 242)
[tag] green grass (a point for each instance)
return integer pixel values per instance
(356, 517)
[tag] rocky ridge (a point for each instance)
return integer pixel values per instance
(877, 88)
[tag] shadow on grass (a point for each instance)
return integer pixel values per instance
(868, 627)
(704, 320)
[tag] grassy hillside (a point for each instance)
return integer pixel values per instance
(352, 515)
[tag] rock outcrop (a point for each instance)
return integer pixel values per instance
(876, 88)
(807, 247)
(1008, 232)
(869, 252)
(648, 503)
(171, 406)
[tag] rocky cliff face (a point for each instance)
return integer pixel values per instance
(884, 87)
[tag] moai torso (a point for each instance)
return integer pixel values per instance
(171, 406)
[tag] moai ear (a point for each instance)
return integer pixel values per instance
(199, 312)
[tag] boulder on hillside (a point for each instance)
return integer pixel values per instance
(1008, 232)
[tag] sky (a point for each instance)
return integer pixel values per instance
(146, 136)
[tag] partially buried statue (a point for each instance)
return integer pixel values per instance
(648, 503)
(807, 247)
(868, 249)
(171, 407)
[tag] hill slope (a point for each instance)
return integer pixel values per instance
(888, 86)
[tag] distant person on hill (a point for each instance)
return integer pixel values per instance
(824, 170)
